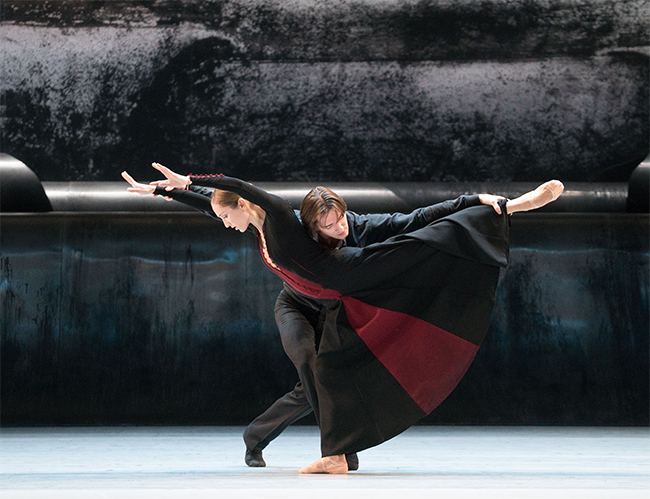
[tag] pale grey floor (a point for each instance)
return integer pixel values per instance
(431, 462)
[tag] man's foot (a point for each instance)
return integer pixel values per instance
(254, 459)
(353, 461)
(332, 465)
(544, 194)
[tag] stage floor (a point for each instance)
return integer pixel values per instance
(440, 462)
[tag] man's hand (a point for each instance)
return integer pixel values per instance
(492, 201)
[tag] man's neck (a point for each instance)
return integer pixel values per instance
(330, 242)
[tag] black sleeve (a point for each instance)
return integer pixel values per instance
(270, 203)
(198, 200)
(369, 229)
(206, 191)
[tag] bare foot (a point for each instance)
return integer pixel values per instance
(544, 194)
(333, 465)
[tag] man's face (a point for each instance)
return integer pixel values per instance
(333, 224)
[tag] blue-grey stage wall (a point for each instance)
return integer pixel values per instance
(343, 90)
(168, 318)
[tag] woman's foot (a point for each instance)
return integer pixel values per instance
(333, 465)
(544, 194)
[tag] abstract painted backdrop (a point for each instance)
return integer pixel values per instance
(344, 90)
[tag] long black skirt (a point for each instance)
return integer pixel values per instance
(407, 330)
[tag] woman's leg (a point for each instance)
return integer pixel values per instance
(544, 194)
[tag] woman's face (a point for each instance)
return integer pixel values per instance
(333, 224)
(233, 218)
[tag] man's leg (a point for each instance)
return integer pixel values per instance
(296, 325)
(268, 425)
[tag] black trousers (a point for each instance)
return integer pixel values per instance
(300, 320)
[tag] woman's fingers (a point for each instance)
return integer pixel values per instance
(129, 178)
(160, 183)
(173, 178)
(162, 169)
(137, 187)
(147, 188)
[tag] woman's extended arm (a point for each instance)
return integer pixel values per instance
(197, 200)
(270, 203)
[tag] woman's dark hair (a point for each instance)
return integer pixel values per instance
(226, 199)
(318, 202)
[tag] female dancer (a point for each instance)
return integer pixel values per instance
(415, 307)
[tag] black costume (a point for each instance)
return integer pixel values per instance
(415, 309)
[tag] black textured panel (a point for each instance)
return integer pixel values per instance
(143, 318)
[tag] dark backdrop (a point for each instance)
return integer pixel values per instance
(114, 319)
(145, 318)
(331, 91)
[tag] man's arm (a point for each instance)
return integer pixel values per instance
(372, 228)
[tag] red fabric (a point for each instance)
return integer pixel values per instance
(428, 362)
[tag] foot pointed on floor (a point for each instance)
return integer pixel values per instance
(331, 465)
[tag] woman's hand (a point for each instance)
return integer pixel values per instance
(173, 180)
(137, 187)
(492, 201)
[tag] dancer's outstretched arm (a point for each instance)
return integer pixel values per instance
(198, 200)
(372, 228)
(273, 205)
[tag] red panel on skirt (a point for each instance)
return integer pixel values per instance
(428, 362)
